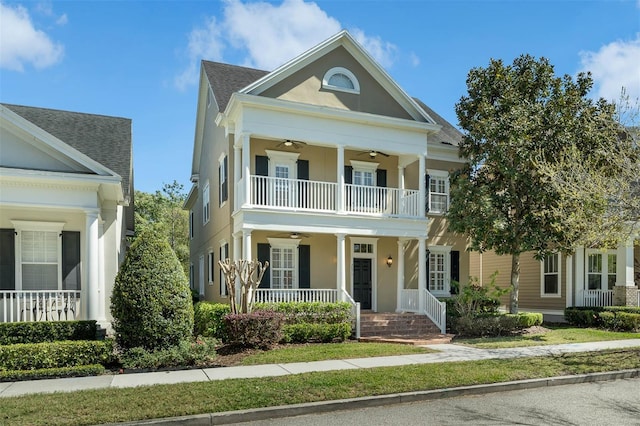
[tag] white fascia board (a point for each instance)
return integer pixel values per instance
(367, 61)
(191, 197)
(201, 110)
(56, 144)
(443, 152)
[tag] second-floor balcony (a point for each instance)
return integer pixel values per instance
(329, 197)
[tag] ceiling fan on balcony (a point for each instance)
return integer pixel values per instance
(291, 143)
(373, 154)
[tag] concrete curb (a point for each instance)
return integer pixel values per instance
(380, 400)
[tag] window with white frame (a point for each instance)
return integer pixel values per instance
(38, 255)
(550, 274)
(341, 79)
(206, 204)
(282, 167)
(191, 230)
(439, 269)
(601, 269)
(363, 193)
(284, 263)
(438, 191)
(224, 254)
(223, 189)
(210, 267)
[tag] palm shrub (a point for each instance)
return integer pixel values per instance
(151, 301)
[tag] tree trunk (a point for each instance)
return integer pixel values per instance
(515, 283)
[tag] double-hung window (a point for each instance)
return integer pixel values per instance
(550, 273)
(438, 187)
(223, 190)
(206, 204)
(210, 267)
(224, 254)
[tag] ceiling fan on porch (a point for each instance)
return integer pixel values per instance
(293, 235)
(291, 143)
(373, 154)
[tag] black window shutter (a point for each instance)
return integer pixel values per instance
(70, 260)
(225, 185)
(7, 259)
(381, 178)
(427, 179)
(455, 266)
(303, 169)
(348, 174)
(262, 165)
(223, 280)
(304, 266)
(303, 174)
(264, 254)
(428, 275)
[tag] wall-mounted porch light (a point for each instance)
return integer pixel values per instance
(389, 261)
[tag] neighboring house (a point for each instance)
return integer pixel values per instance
(66, 208)
(326, 168)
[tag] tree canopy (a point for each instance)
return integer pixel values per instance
(516, 118)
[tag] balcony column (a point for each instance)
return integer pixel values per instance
(341, 279)
(92, 283)
(237, 172)
(340, 179)
(400, 277)
(246, 168)
(422, 273)
(625, 290)
(579, 279)
(402, 202)
(421, 185)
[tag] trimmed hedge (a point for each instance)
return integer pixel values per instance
(199, 352)
(258, 329)
(617, 318)
(33, 356)
(209, 319)
(310, 312)
(316, 333)
(495, 325)
(46, 331)
(620, 321)
(52, 373)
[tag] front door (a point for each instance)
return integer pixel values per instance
(362, 282)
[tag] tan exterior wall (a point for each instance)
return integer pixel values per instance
(305, 86)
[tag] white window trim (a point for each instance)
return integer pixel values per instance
(543, 274)
(210, 266)
(201, 266)
(23, 225)
(282, 158)
(224, 292)
(446, 251)
(206, 203)
(286, 243)
(225, 175)
(439, 174)
(191, 224)
(604, 274)
(341, 70)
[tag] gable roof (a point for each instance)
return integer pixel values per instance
(226, 79)
(448, 134)
(104, 139)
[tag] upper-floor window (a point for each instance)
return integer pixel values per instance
(191, 230)
(341, 79)
(438, 187)
(206, 202)
(223, 191)
(550, 285)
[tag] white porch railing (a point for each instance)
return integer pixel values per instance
(436, 311)
(638, 304)
(308, 195)
(410, 300)
(325, 295)
(597, 298)
(39, 305)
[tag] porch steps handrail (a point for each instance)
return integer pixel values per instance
(38, 305)
(436, 311)
(355, 310)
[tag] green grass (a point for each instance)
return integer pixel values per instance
(121, 405)
(321, 352)
(557, 335)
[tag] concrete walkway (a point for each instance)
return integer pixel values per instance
(446, 353)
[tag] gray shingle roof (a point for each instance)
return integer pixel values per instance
(225, 79)
(448, 134)
(104, 139)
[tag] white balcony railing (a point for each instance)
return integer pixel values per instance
(307, 195)
(39, 305)
(597, 298)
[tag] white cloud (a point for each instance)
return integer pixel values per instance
(614, 66)
(415, 60)
(22, 43)
(266, 35)
(62, 20)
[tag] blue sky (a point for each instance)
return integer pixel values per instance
(140, 59)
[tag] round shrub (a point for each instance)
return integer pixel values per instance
(151, 301)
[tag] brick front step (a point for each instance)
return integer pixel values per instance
(381, 325)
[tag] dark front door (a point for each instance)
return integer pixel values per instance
(362, 282)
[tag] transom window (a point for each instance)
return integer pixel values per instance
(362, 248)
(438, 192)
(550, 285)
(341, 79)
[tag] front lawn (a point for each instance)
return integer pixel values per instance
(551, 335)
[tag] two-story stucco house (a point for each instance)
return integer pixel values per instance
(66, 208)
(326, 168)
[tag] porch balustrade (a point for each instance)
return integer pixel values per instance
(409, 300)
(436, 311)
(316, 196)
(265, 295)
(594, 298)
(39, 305)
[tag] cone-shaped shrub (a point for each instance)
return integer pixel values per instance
(151, 301)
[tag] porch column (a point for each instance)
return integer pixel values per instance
(422, 186)
(246, 244)
(341, 281)
(237, 245)
(340, 180)
(400, 277)
(625, 290)
(570, 284)
(101, 290)
(422, 272)
(579, 276)
(237, 171)
(92, 283)
(246, 168)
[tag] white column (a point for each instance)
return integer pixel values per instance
(101, 290)
(237, 246)
(570, 284)
(624, 265)
(341, 279)
(340, 199)
(579, 255)
(237, 173)
(400, 274)
(421, 185)
(422, 273)
(246, 244)
(246, 168)
(92, 266)
(401, 198)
